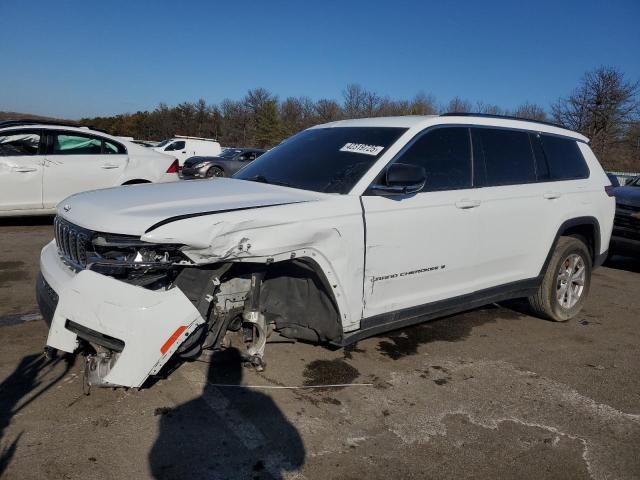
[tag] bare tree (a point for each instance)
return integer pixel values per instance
(530, 111)
(488, 108)
(458, 105)
(328, 110)
(359, 102)
(601, 107)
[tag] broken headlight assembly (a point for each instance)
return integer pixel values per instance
(130, 259)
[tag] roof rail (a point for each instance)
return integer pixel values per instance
(504, 117)
(33, 121)
(195, 138)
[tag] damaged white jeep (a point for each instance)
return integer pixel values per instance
(343, 231)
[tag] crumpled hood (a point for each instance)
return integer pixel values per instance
(627, 196)
(133, 209)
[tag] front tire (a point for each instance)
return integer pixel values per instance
(214, 172)
(566, 281)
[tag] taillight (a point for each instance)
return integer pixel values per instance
(173, 168)
(609, 189)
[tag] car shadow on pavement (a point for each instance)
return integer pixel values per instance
(630, 264)
(227, 432)
(17, 391)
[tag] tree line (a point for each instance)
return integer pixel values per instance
(604, 106)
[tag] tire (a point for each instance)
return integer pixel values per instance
(555, 300)
(214, 172)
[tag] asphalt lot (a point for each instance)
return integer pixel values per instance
(491, 393)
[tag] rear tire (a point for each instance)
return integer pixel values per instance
(566, 281)
(214, 172)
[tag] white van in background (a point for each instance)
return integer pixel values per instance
(182, 147)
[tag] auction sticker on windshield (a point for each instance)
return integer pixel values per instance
(362, 148)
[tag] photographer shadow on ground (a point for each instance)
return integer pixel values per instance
(227, 432)
(32, 377)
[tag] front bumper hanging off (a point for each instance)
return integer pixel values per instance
(143, 327)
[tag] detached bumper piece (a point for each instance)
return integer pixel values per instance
(136, 326)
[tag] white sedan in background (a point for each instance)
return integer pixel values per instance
(43, 163)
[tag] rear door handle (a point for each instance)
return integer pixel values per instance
(465, 204)
(109, 166)
(25, 169)
(552, 195)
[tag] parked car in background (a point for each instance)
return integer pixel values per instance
(625, 239)
(226, 164)
(613, 179)
(346, 230)
(42, 163)
(182, 147)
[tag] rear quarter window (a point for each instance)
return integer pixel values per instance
(564, 158)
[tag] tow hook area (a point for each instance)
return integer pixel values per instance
(256, 323)
(97, 366)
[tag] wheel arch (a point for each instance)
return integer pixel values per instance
(217, 165)
(136, 181)
(586, 227)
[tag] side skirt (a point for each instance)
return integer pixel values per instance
(410, 316)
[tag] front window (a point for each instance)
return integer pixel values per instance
(19, 143)
(230, 152)
(329, 160)
(175, 146)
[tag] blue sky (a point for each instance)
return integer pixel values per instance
(72, 58)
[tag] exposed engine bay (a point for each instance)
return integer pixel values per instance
(289, 298)
(239, 300)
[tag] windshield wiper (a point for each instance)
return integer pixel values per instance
(263, 179)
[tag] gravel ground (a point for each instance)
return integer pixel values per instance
(490, 393)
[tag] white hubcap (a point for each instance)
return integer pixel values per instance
(570, 281)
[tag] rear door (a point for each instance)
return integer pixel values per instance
(21, 162)
(78, 162)
(520, 210)
(423, 248)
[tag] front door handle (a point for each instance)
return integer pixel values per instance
(25, 169)
(109, 166)
(466, 204)
(552, 195)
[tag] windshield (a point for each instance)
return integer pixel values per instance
(230, 152)
(635, 182)
(329, 160)
(163, 142)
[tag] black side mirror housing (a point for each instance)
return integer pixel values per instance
(400, 179)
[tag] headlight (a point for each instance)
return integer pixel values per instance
(130, 251)
(199, 165)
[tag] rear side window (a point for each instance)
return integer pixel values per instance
(564, 158)
(508, 157)
(73, 144)
(445, 154)
(19, 143)
(113, 148)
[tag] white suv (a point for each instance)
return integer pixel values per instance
(42, 163)
(343, 231)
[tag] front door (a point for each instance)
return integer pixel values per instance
(78, 162)
(20, 170)
(423, 248)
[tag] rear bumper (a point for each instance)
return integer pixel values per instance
(111, 313)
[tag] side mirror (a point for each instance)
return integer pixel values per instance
(401, 179)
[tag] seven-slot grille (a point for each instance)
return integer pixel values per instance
(72, 242)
